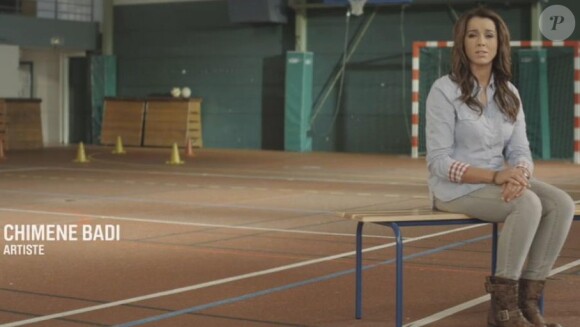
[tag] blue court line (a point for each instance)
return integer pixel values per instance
(293, 285)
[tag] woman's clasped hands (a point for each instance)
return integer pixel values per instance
(514, 182)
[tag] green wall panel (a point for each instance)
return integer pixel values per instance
(235, 68)
(375, 105)
(238, 69)
(298, 104)
(103, 76)
(224, 133)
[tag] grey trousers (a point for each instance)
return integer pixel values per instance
(535, 226)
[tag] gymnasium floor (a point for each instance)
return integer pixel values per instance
(243, 238)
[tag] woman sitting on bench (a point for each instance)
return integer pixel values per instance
(480, 164)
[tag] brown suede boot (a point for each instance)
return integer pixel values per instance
(504, 310)
(530, 293)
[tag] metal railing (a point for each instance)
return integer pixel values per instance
(76, 10)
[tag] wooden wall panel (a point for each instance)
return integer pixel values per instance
(171, 121)
(123, 118)
(22, 124)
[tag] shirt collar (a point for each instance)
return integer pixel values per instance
(476, 87)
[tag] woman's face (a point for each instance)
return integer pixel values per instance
(480, 41)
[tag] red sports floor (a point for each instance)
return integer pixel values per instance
(243, 238)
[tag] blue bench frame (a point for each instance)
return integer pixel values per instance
(395, 226)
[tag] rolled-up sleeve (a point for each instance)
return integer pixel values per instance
(517, 150)
(440, 128)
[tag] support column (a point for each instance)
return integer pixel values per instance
(301, 29)
(107, 27)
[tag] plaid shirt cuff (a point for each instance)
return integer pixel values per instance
(457, 170)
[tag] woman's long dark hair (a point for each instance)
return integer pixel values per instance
(501, 66)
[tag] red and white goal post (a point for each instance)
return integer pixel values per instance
(417, 45)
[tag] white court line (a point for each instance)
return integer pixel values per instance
(217, 187)
(224, 280)
(185, 223)
(234, 187)
(190, 203)
(471, 303)
(10, 170)
(252, 177)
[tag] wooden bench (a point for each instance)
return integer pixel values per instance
(405, 218)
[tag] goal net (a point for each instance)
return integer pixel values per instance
(547, 75)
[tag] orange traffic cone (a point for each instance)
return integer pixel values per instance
(189, 151)
(81, 157)
(175, 160)
(119, 146)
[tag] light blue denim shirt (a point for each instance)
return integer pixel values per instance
(457, 136)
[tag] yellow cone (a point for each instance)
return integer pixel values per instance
(119, 146)
(81, 157)
(175, 160)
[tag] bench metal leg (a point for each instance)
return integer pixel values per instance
(400, 268)
(358, 271)
(399, 275)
